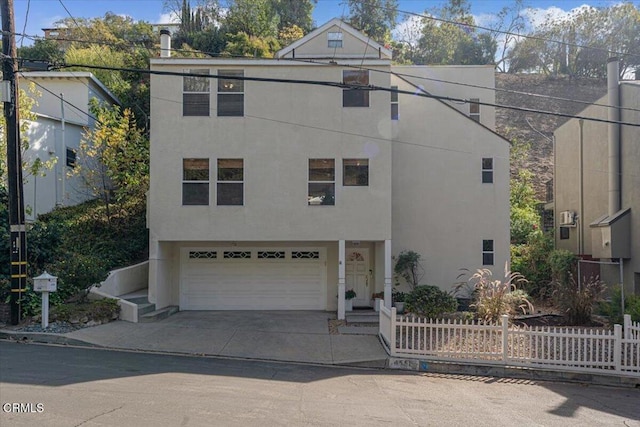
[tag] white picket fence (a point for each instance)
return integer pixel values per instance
(556, 348)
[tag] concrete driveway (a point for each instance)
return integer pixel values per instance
(296, 336)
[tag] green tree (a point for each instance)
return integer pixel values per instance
(292, 13)
(256, 18)
(113, 158)
(47, 50)
(242, 44)
(455, 42)
(375, 18)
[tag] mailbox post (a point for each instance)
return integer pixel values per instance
(45, 283)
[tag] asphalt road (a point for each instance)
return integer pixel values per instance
(62, 386)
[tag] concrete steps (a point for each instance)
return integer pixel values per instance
(156, 315)
(368, 317)
(358, 330)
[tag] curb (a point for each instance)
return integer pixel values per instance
(43, 337)
(440, 367)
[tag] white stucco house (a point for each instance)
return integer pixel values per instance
(267, 195)
(56, 134)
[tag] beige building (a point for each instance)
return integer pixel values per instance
(597, 186)
(273, 189)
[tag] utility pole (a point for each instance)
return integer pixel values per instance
(14, 163)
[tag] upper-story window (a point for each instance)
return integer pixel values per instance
(355, 97)
(394, 103)
(230, 187)
(487, 252)
(334, 39)
(230, 93)
(487, 170)
(474, 109)
(355, 172)
(71, 158)
(195, 94)
(322, 182)
(195, 181)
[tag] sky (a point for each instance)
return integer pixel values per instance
(43, 13)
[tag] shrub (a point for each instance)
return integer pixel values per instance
(494, 298)
(429, 301)
(578, 302)
(99, 310)
(562, 264)
(613, 307)
(531, 261)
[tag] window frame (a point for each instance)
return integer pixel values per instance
(564, 233)
(199, 182)
(487, 171)
(346, 175)
(71, 160)
(474, 109)
(316, 183)
(352, 96)
(488, 252)
(186, 93)
(395, 115)
(337, 41)
(222, 182)
(221, 93)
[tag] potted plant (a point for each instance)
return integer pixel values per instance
(377, 298)
(398, 299)
(349, 295)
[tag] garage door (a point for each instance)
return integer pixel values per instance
(253, 279)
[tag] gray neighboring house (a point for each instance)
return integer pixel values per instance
(56, 134)
(273, 196)
(597, 185)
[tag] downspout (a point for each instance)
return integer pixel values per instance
(613, 90)
(581, 190)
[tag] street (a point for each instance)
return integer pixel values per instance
(48, 385)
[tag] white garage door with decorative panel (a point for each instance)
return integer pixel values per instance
(253, 279)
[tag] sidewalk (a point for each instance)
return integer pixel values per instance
(297, 336)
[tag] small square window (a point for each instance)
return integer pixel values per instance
(230, 188)
(195, 182)
(487, 170)
(334, 40)
(487, 252)
(564, 233)
(322, 182)
(355, 172)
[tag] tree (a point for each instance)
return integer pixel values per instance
(113, 158)
(580, 44)
(46, 50)
(242, 44)
(508, 22)
(298, 13)
(375, 18)
(256, 18)
(456, 41)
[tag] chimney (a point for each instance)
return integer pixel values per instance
(613, 90)
(165, 43)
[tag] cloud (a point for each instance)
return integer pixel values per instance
(50, 22)
(168, 18)
(408, 30)
(537, 16)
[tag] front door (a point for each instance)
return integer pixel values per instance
(357, 276)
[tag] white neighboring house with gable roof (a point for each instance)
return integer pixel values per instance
(56, 134)
(281, 196)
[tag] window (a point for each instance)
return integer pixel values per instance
(564, 233)
(230, 182)
(322, 182)
(487, 170)
(394, 103)
(71, 158)
(334, 40)
(355, 97)
(195, 96)
(355, 172)
(487, 252)
(230, 93)
(474, 109)
(195, 181)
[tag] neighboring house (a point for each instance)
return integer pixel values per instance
(56, 134)
(597, 186)
(279, 196)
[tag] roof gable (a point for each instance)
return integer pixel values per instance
(354, 44)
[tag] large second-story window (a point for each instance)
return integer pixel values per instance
(355, 172)
(322, 182)
(195, 181)
(230, 182)
(195, 94)
(355, 97)
(230, 93)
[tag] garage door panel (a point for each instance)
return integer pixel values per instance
(254, 284)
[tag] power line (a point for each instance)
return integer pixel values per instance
(509, 33)
(342, 85)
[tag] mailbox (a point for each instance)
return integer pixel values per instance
(45, 283)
